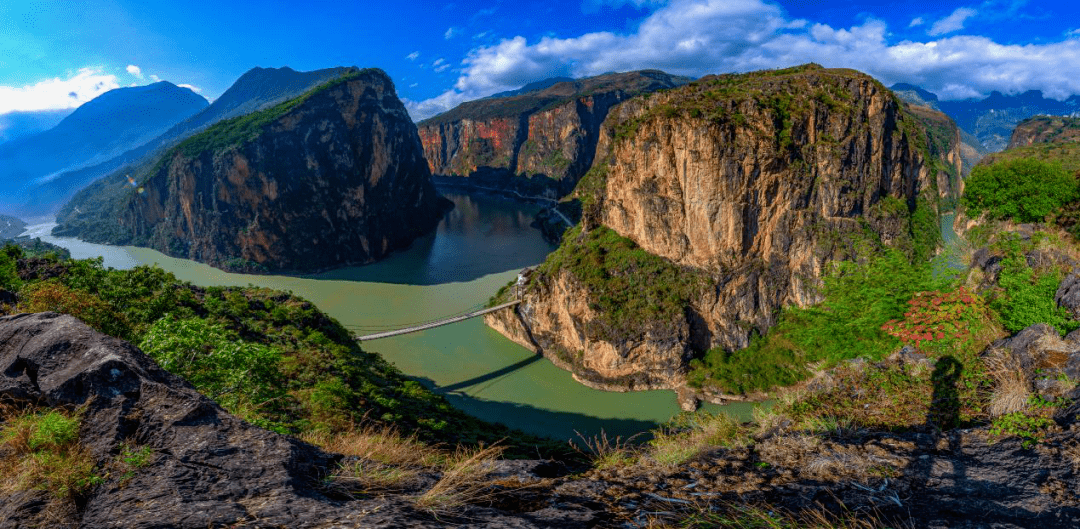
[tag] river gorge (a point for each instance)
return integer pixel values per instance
(479, 246)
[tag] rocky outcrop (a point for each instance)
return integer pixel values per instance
(1045, 129)
(334, 177)
(537, 143)
(206, 468)
(753, 183)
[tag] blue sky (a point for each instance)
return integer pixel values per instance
(57, 54)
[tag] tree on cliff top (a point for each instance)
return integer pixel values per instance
(1023, 189)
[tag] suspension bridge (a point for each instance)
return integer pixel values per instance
(421, 326)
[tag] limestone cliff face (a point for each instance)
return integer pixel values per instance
(335, 177)
(755, 182)
(538, 143)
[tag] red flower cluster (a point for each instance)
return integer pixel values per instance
(933, 316)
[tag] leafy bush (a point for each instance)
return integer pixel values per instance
(240, 375)
(1022, 189)
(936, 316)
(859, 300)
(1027, 298)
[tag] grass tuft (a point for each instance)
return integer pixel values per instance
(41, 449)
(464, 481)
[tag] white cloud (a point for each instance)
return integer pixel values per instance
(412, 56)
(951, 23)
(193, 88)
(450, 32)
(698, 37)
(155, 78)
(57, 93)
(134, 70)
(917, 21)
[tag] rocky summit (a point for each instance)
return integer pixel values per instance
(334, 177)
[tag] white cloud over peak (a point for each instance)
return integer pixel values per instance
(699, 37)
(193, 88)
(951, 23)
(57, 93)
(134, 70)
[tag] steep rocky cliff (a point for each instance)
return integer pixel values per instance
(534, 143)
(1045, 129)
(714, 205)
(334, 177)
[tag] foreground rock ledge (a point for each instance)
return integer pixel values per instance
(211, 469)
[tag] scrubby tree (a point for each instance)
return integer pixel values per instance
(1023, 189)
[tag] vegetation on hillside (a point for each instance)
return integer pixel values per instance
(267, 356)
(1019, 189)
(860, 298)
(242, 129)
(631, 290)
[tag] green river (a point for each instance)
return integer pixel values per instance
(480, 246)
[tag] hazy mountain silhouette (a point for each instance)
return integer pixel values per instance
(257, 89)
(104, 127)
(15, 125)
(992, 119)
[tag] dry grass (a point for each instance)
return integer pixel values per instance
(1012, 388)
(40, 449)
(605, 452)
(694, 434)
(369, 477)
(379, 444)
(736, 516)
(464, 481)
(383, 461)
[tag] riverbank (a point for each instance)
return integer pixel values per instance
(480, 246)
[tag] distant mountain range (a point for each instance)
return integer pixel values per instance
(992, 119)
(15, 125)
(110, 124)
(257, 89)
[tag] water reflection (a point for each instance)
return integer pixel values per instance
(482, 235)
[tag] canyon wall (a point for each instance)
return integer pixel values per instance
(714, 205)
(334, 177)
(535, 144)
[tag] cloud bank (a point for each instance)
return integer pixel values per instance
(57, 93)
(698, 37)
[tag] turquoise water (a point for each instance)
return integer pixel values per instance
(480, 246)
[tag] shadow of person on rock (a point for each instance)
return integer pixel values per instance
(944, 413)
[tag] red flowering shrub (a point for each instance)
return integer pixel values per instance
(937, 317)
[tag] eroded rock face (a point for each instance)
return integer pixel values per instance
(207, 468)
(210, 467)
(536, 144)
(338, 178)
(760, 183)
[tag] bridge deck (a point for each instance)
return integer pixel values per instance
(434, 324)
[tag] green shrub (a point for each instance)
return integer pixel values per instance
(1022, 189)
(242, 376)
(860, 298)
(1027, 298)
